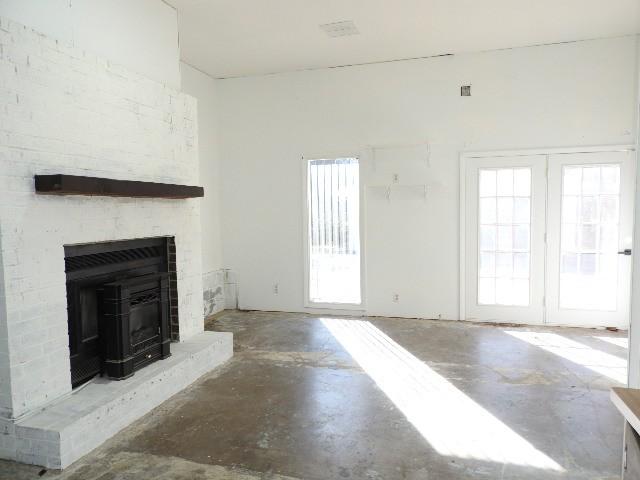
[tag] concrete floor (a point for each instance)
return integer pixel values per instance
(294, 404)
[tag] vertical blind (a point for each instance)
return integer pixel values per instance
(334, 230)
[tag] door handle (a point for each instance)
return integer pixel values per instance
(626, 251)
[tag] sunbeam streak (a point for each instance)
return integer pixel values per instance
(600, 362)
(619, 341)
(448, 419)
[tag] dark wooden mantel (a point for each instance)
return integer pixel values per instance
(77, 185)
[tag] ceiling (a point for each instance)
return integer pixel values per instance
(230, 38)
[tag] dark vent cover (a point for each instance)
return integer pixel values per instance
(73, 264)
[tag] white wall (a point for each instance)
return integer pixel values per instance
(203, 88)
(141, 35)
(561, 95)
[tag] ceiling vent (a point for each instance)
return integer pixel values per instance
(340, 29)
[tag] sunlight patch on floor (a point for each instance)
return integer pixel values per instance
(600, 362)
(448, 419)
(619, 341)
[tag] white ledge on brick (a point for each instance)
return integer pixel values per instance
(71, 427)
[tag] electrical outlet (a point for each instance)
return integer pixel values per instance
(275, 288)
(396, 178)
(396, 298)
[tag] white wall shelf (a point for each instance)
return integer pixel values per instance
(422, 189)
(399, 165)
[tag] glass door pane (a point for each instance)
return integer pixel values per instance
(504, 225)
(589, 237)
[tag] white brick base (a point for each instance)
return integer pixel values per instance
(73, 426)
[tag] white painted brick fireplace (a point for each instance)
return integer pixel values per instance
(67, 111)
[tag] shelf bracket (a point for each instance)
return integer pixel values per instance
(427, 157)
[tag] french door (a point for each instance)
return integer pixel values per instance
(543, 235)
(505, 218)
(590, 220)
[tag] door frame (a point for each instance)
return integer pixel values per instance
(464, 160)
(355, 309)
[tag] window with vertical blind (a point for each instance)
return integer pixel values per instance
(333, 202)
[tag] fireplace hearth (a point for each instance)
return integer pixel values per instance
(119, 300)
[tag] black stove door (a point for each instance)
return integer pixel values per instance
(84, 345)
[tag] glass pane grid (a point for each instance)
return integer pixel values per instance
(504, 236)
(589, 236)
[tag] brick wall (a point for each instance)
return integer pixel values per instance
(64, 110)
(5, 386)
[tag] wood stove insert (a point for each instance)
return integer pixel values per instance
(118, 299)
